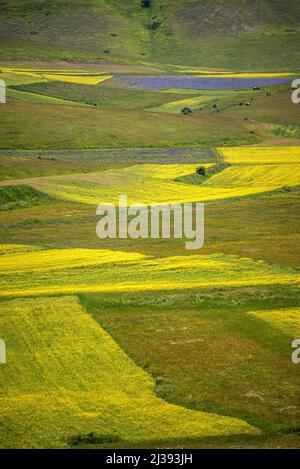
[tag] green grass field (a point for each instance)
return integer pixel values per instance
(42, 127)
(141, 343)
(101, 96)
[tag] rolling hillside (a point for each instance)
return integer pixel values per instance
(230, 34)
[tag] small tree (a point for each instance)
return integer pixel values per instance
(201, 171)
(146, 3)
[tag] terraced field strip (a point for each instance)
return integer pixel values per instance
(246, 75)
(38, 98)
(260, 155)
(102, 390)
(272, 176)
(90, 270)
(229, 73)
(84, 78)
(41, 260)
(12, 78)
(81, 79)
(158, 184)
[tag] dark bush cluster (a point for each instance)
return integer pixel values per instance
(186, 111)
(201, 171)
(92, 439)
(154, 25)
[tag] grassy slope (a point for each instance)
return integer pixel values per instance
(227, 34)
(274, 109)
(21, 196)
(209, 34)
(23, 96)
(101, 96)
(12, 167)
(34, 24)
(44, 126)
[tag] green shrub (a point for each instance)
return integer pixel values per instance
(201, 170)
(146, 3)
(92, 439)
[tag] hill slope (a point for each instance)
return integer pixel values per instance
(258, 34)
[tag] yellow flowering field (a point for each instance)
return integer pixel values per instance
(74, 379)
(81, 79)
(260, 155)
(256, 176)
(52, 271)
(166, 171)
(221, 74)
(286, 320)
(53, 259)
(20, 76)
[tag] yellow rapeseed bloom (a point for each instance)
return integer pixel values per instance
(261, 155)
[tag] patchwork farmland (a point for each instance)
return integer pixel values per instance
(142, 343)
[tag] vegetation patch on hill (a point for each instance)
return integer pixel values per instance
(21, 196)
